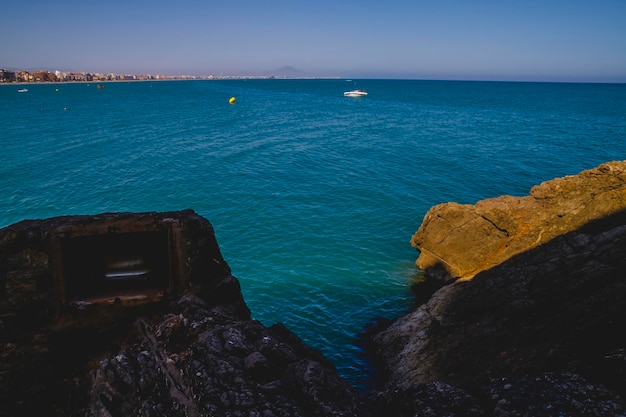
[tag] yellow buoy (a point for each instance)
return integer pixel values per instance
(232, 100)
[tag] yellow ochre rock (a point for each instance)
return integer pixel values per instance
(461, 240)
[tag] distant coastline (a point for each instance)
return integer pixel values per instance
(48, 77)
(217, 78)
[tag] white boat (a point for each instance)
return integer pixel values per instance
(355, 93)
(23, 90)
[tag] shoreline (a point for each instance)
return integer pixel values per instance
(208, 78)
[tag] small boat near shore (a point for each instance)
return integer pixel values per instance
(23, 90)
(355, 93)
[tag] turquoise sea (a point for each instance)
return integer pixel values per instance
(314, 196)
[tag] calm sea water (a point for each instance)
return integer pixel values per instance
(313, 196)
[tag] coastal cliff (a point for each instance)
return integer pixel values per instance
(520, 313)
(529, 316)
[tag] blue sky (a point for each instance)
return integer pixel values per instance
(531, 40)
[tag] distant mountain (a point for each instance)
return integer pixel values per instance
(288, 72)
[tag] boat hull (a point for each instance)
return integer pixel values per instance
(355, 93)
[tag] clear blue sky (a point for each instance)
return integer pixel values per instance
(549, 40)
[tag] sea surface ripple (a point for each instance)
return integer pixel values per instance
(314, 196)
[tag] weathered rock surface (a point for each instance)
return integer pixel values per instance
(459, 241)
(138, 315)
(198, 362)
(540, 324)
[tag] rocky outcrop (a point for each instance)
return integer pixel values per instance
(459, 241)
(197, 361)
(531, 321)
(128, 314)
(138, 314)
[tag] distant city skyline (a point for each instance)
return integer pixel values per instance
(8, 76)
(547, 40)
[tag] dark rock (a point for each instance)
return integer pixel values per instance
(551, 394)
(137, 314)
(546, 311)
(433, 399)
(220, 372)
